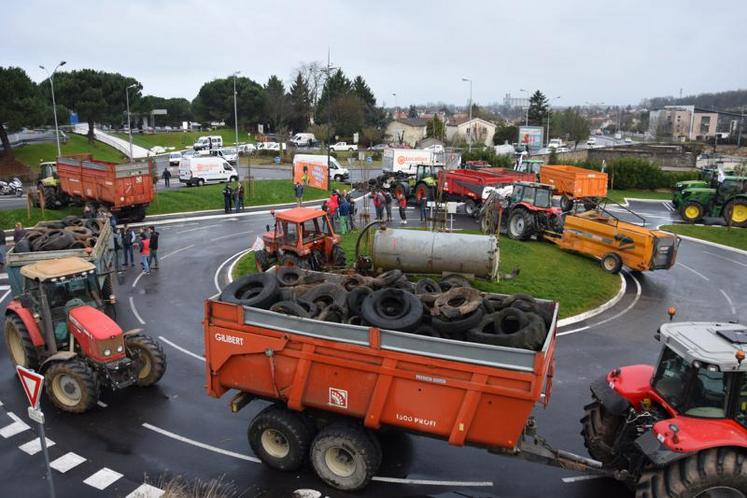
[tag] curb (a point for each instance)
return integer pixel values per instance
(712, 244)
(599, 309)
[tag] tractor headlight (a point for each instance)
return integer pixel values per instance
(120, 349)
(107, 352)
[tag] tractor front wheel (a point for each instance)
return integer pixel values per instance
(294, 260)
(692, 211)
(148, 358)
(338, 257)
(18, 343)
(520, 225)
(599, 430)
(566, 203)
(72, 385)
(736, 213)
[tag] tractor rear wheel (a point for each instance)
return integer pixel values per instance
(50, 197)
(520, 225)
(692, 211)
(295, 260)
(261, 260)
(713, 472)
(611, 263)
(148, 358)
(338, 256)
(735, 213)
(18, 343)
(599, 432)
(72, 385)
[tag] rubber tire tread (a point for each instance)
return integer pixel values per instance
(157, 360)
(87, 377)
(328, 293)
(408, 320)
(353, 438)
(427, 286)
(264, 299)
(457, 329)
(599, 431)
(354, 299)
(32, 357)
(297, 431)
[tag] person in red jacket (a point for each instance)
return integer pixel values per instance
(332, 206)
(144, 244)
(402, 200)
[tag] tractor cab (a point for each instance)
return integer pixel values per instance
(533, 195)
(48, 173)
(529, 166)
(425, 171)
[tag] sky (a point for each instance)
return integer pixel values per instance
(581, 51)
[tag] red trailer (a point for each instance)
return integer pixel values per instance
(125, 189)
(467, 185)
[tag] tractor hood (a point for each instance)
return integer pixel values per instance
(94, 323)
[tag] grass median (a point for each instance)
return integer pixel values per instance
(621, 195)
(576, 282)
(728, 236)
(31, 155)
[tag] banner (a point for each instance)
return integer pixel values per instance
(532, 137)
(311, 174)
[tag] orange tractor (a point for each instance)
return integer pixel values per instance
(302, 237)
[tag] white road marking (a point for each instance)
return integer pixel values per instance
(233, 265)
(669, 206)
(146, 491)
(103, 478)
(137, 279)
(67, 462)
(4, 287)
(34, 446)
(727, 259)
(231, 235)
(3, 275)
(713, 244)
(199, 228)
(18, 426)
(102, 404)
(565, 322)
(428, 482)
(694, 271)
(176, 251)
(728, 299)
(4, 296)
(134, 312)
(580, 478)
(185, 351)
(199, 444)
(217, 272)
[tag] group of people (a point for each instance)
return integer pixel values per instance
(383, 200)
(233, 198)
(127, 240)
(340, 208)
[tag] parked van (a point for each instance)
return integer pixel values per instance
(199, 170)
(303, 139)
(336, 172)
(208, 142)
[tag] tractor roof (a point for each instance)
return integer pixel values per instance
(711, 343)
(56, 268)
(299, 214)
(535, 185)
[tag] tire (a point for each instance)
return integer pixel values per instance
(457, 329)
(470, 208)
(452, 281)
(388, 278)
(599, 430)
(310, 308)
(280, 438)
(72, 385)
(258, 290)
(261, 260)
(50, 197)
(344, 456)
(148, 358)
(338, 178)
(338, 256)
(79, 232)
(353, 281)
(427, 286)
(292, 260)
(354, 299)
(511, 328)
(735, 213)
(691, 212)
(200, 182)
(458, 302)
(333, 313)
(427, 330)
(22, 246)
(291, 308)
(233, 179)
(107, 289)
(21, 350)
(289, 276)
(520, 225)
(611, 263)
(566, 203)
(721, 470)
(392, 309)
(326, 294)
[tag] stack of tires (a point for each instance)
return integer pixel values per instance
(71, 232)
(447, 309)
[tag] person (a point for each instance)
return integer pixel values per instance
(117, 247)
(298, 190)
(378, 202)
(88, 211)
(402, 200)
(424, 208)
(239, 202)
(332, 205)
(351, 209)
(166, 177)
(128, 239)
(113, 221)
(18, 233)
(388, 204)
(324, 220)
(344, 213)
(305, 177)
(3, 247)
(153, 259)
(227, 195)
(144, 244)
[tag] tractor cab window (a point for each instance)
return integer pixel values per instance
(528, 195)
(741, 412)
(61, 292)
(517, 194)
(312, 231)
(289, 231)
(543, 198)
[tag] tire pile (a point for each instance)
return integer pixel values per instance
(449, 308)
(71, 232)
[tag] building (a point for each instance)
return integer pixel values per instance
(474, 131)
(510, 101)
(406, 131)
(682, 122)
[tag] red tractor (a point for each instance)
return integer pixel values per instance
(677, 429)
(528, 211)
(302, 237)
(57, 326)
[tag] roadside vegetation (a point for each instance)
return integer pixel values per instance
(732, 237)
(621, 195)
(31, 155)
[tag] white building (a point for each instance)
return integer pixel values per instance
(474, 131)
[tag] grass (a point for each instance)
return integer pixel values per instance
(620, 195)
(728, 236)
(576, 282)
(181, 139)
(31, 155)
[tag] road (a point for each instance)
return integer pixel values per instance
(175, 429)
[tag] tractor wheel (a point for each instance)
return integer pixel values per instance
(50, 197)
(712, 472)
(520, 225)
(148, 357)
(345, 456)
(692, 211)
(338, 256)
(566, 203)
(599, 430)
(611, 263)
(295, 260)
(107, 290)
(72, 385)
(18, 343)
(423, 191)
(261, 260)
(470, 208)
(280, 437)
(735, 213)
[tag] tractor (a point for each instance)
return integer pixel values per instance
(678, 428)
(727, 200)
(301, 237)
(48, 183)
(421, 185)
(58, 327)
(530, 211)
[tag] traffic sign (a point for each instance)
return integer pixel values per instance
(32, 383)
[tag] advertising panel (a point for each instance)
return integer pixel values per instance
(532, 137)
(311, 174)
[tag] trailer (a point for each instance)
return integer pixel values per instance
(470, 185)
(573, 183)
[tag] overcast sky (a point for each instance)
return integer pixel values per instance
(595, 51)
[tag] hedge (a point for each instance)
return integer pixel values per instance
(632, 173)
(488, 155)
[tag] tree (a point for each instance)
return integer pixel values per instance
(371, 136)
(412, 112)
(214, 102)
(20, 104)
(347, 114)
(538, 105)
(571, 125)
(299, 103)
(336, 86)
(435, 128)
(505, 132)
(372, 115)
(275, 103)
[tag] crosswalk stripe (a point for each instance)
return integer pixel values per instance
(103, 478)
(16, 427)
(67, 462)
(4, 287)
(34, 446)
(146, 491)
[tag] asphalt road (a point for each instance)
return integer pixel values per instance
(174, 428)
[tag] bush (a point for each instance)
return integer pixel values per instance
(376, 156)
(633, 173)
(488, 155)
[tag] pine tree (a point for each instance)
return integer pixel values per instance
(299, 100)
(538, 105)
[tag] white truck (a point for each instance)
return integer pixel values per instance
(336, 171)
(208, 142)
(199, 170)
(555, 143)
(343, 146)
(407, 160)
(303, 139)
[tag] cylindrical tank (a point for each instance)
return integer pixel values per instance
(419, 251)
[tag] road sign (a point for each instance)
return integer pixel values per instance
(36, 415)
(32, 383)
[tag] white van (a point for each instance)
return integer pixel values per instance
(208, 142)
(336, 172)
(303, 139)
(199, 170)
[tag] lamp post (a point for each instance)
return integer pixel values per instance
(129, 125)
(526, 119)
(396, 107)
(469, 145)
(235, 111)
(549, 108)
(54, 104)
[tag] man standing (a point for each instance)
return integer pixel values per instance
(388, 205)
(378, 202)
(117, 249)
(166, 176)
(3, 247)
(128, 238)
(424, 209)
(153, 259)
(351, 210)
(239, 194)
(298, 191)
(332, 205)
(402, 200)
(344, 212)
(227, 194)
(144, 244)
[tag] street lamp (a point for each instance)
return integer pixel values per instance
(549, 108)
(469, 146)
(396, 107)
(129, 125)
(235, 112)
(54, 105)
(526, 120)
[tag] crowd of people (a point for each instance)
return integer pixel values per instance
(233, 198)
(341, 209)
(127, 240)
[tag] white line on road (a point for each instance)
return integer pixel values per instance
(67, 462)
(4, 287)
(233, 265)
(4, 296)
(199, 228)
(34, 446)
(231, 235)
(727, 259)
(185, 351)
(217, 272)
(200, 444)
(728, 299)
(134, 311)
(103, 478)
(428, 482)
(580, 478)
(137, 279)
(17, 427)
(694, 271)
(177, 251)
(102, 404)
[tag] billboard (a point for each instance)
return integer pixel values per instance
(314, 174)
(532, 137)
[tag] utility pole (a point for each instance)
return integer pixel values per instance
(328, 71)
(469, 146)
(129, 125)
(54, 104)
(526, 120)
(235, 111)
(741, 128)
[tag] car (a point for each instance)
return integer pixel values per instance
(555, 143)
(591, 141)
(343, 146)
(269, 146)
(628, 140)
(303, 139)
(378, 147)
(230, 154)
(247, 148)
(175, 158)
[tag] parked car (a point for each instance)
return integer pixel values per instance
(208, 142)
(230, 154)
(378, 147)
(247, 148)
(269, 146)
(591, 141)
(628, 140)
(343, 146)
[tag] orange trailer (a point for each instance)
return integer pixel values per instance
(573, 183)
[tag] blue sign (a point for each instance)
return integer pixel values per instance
(369, 159)
(277, 159)
(73, 118)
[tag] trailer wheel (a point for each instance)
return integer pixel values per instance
(470, 208)
(520, 225)
(713, 472)
(148, 358)
(599, 430)
(280, 437)
(566, 203)
(344, 456)
(611, 263)
(18, 343)
(72, 385)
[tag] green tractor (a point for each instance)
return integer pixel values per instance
(728, 200)
(48, 183)
(420, 185)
